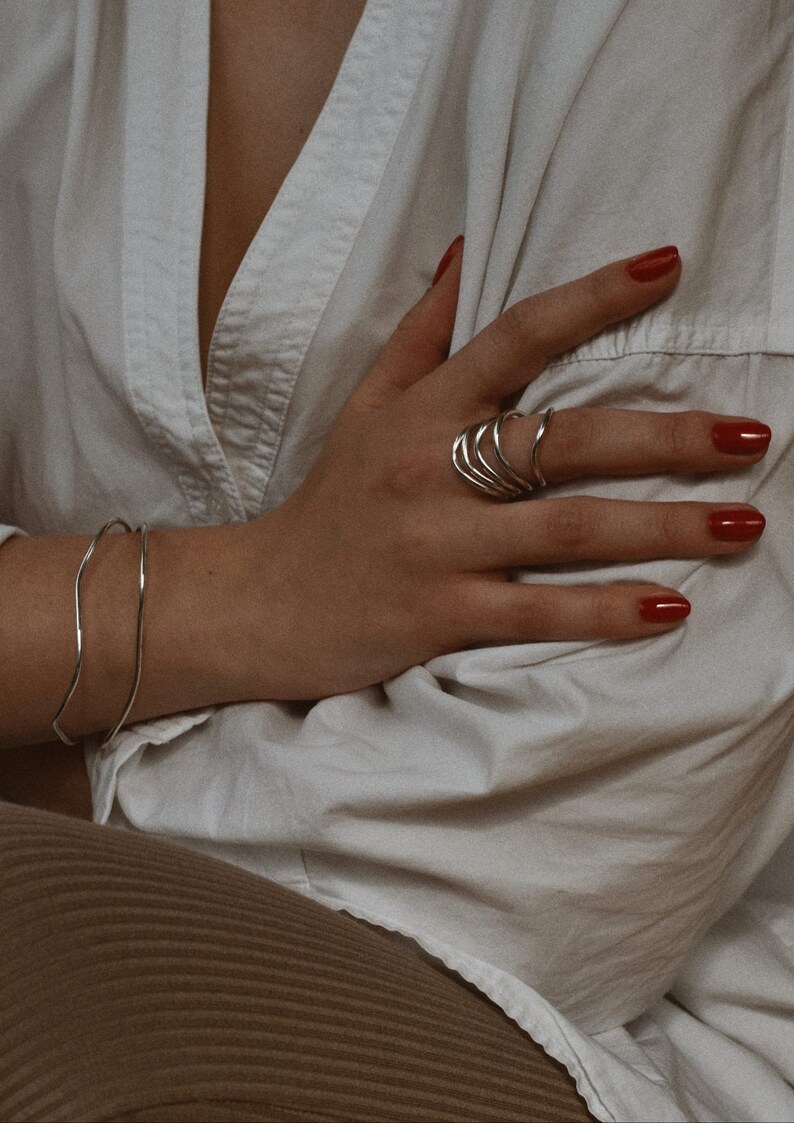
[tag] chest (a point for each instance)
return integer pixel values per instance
(272, 66)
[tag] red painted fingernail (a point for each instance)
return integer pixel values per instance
(741, 438)
(739, 525)
(653, 265)
(664, 610)
(447, 258)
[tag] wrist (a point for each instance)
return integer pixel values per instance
(198, 628)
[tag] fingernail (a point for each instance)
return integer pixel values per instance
(741, 438)
(653, 265)
(664, 610)
(447, 258)
(738, 525)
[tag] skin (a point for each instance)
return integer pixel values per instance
(384, 557)
(247, 102)
(258, 120)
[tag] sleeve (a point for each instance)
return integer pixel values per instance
(35, 54)
(7, 532)
(570, 812)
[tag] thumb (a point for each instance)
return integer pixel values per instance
(421, 340)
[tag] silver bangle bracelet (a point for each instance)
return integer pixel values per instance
(78, 666)
(138, 637)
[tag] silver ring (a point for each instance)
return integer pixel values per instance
(462, 462)
(502, 482)
(525, 485)
(533, 452)
(505, 487)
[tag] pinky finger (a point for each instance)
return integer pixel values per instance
(523, 613)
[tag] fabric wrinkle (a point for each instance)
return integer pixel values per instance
(563, 825)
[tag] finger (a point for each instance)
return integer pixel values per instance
(583, 528)
(613, 442)
(512, 350)
(518, 613)
(421, 340)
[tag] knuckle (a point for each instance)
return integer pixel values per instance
(537, 616)
(603, 611)
(412, 319)
(514, 327)
(575, 436)
(412, 540)
(669, 529)
(597, 303)
(683, 436)
(571, 526)
(596, 297)
(460, 614)
(457, 607)
(416, 323)
(409, 473)
(525, 618)
(407, 330)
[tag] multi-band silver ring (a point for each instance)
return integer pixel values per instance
(501, 481)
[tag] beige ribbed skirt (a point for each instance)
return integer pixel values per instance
(143, 981)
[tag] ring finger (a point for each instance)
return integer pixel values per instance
(583, 528)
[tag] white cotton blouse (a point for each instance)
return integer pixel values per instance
(597, 835)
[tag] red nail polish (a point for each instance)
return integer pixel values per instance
(664, 610)
(447, 258)
(737, 525)
(741, 438)
(651, 266)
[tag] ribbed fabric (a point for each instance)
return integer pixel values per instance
(142, 981)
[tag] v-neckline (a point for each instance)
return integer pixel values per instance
(223, 443)
(240, 190)
(306, 158)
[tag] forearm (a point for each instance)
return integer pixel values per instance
(384, 558)
(197, 618)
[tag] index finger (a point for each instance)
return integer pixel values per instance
(515, 348)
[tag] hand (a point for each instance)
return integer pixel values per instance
(385, 557)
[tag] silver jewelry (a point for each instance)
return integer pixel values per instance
(78, 666)
(461, 460)
(524, 485)
(533, 453)
(138, 637)
(466, 449)
(503, 482)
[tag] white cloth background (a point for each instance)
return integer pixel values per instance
(560, 820)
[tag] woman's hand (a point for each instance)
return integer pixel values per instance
(385, 557)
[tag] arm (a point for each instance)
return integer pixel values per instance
(194, 634)
(383, 558)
